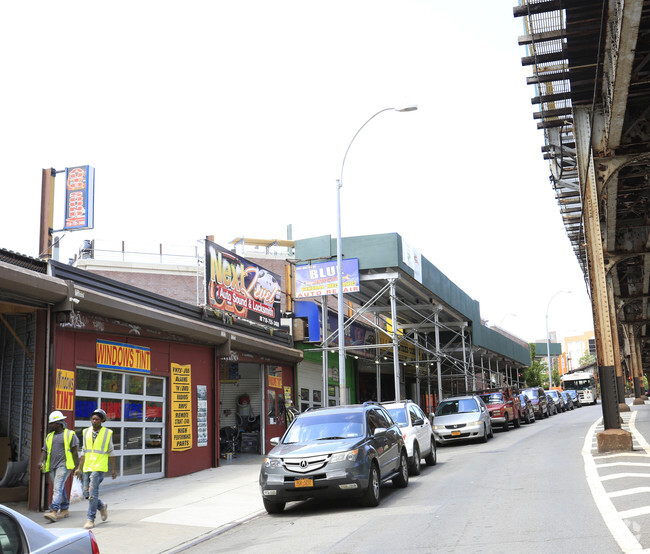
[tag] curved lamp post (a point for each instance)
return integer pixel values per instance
(548, 339)
(339, 257)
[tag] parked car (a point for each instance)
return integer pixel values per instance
(552, 406)
(557, 399)
(574, 396)
(539, 400)
(334, 452)
(20, 534)
(417, 433)
(462, 417)
(568, 401)
(527, 410)
(504, 407)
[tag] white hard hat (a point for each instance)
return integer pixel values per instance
(56, 416)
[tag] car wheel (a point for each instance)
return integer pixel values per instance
(484, 438)
(516, 422)
(432, 457)
(506, 425)
(371, 497)
(415, 466)
(273, 507)
(548, 412)
(491, 433)
(402, 479)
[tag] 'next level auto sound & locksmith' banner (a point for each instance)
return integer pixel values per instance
(240, 287)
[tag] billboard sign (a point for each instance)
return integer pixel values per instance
(79, 198)
(236, 285)
(320, 279)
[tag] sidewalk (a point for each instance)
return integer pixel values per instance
(192, 508)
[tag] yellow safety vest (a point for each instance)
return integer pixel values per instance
(96, 453)
(67, 440)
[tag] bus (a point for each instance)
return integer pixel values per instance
(582, 382)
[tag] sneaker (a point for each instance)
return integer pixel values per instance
(52, 516)
(64, 513)
(104, 512)
(89, 524)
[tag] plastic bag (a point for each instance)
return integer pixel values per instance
(76, 492)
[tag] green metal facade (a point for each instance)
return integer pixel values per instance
(384, 251)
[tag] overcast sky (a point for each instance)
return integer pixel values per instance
(232, 118)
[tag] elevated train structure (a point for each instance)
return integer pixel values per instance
(590, 69)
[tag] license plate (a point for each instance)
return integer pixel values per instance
(455, 433)
(304, 483)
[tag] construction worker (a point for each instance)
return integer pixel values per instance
(58, 459)
(97, 451)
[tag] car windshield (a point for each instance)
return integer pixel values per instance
(553, 393)
(459, 406)
(399, 416)
(494, 398)
(531, 393)
(325, 426)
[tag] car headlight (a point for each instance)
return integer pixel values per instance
(477, 422)
(349, 456)
(273, 463)
(439, 427)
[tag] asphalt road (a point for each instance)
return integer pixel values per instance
(525, 490)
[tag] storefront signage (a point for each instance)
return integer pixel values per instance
(116, 355)
(64, 390)
(79, 197)
(181, 397)
(275, 382)
(321, 279)
(240, 287)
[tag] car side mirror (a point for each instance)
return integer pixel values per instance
(275, 441)
(380, 431)
(419, 421)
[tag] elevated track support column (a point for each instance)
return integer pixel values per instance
(613, 438)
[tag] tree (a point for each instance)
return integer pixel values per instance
(586, 359)
(537, 373)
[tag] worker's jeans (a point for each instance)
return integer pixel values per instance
(91, 481)
(58, 478)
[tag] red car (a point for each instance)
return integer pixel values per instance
(504, 407)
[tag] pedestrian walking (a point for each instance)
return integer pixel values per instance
(96, 453)
(58, 459)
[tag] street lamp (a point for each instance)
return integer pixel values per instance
(548, 339)
(339, 256)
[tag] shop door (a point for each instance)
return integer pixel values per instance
(279, 381)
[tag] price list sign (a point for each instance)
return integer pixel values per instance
(181, 397)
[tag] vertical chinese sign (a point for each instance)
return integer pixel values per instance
(64, 390)
(181, 396)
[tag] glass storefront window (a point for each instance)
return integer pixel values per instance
(134, 384)
(111, 382)
(153, 463)
(84, 406)
(155, 387)
(132, 465)
(154, 411)
(87, 380)
(153, 437)
(132, 438)
(133, 410)
(117, 437)
(113, 409)
(135, 407)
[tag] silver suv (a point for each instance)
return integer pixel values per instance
(334, 452)
(416, 431)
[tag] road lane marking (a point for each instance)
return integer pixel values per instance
(624, 475)
(626, 492)
(621, 533)
(625, 464)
